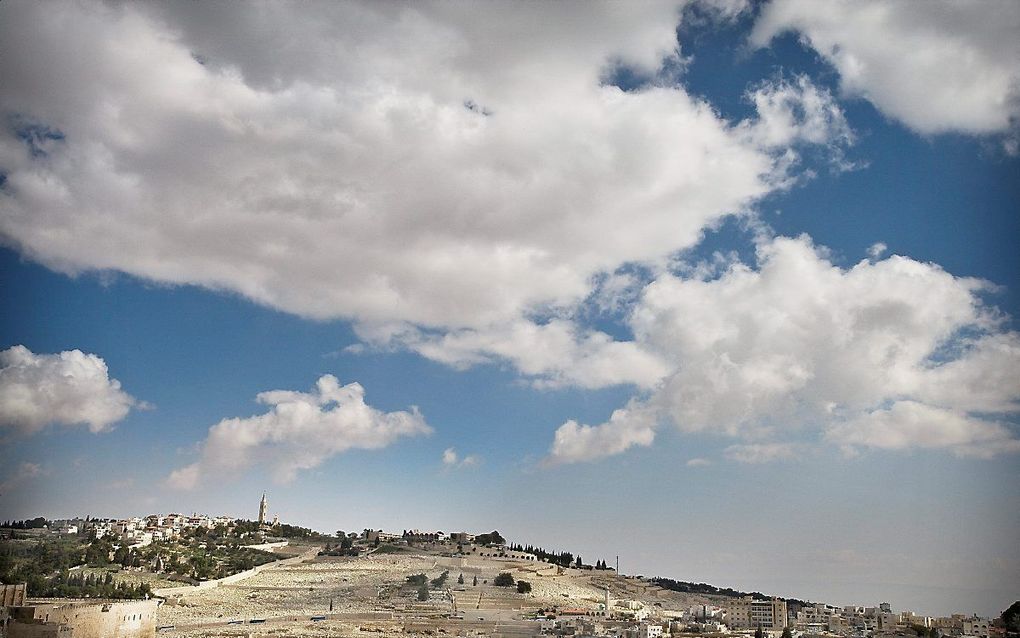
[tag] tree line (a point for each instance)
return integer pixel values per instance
(32, 523)
(40, 564)
(563, 559)
(704, 588)
(283, 530)
(80, 585)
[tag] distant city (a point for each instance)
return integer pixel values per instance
(177, 562)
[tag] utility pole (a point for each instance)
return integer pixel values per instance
(617, 564)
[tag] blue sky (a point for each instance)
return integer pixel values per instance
(728, 290)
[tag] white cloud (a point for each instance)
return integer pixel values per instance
(725, 9)
(978, 375)
(698, 462)
(555, 353)
(796, 112)
(452, 460)
(909, 424)
(801, 347)
(358, 174)
(761, 452)
(953, 66)
(877, 249)
(68, 388)
(457, 182)
(299, 432)
(627, 427)
(449, 456)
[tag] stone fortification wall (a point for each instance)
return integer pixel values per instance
(12, 595)
(85, 619)
(45, 630)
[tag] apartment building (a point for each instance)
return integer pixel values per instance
(751, 613)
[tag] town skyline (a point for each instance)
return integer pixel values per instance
(203, 573)
(125, 528)
(137, 532)
(729, 286)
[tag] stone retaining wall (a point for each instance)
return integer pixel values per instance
(178, 592)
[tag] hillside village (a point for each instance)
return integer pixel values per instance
(411, 583)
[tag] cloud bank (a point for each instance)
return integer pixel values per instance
(452, 169)
(299, 432)
(890, 354)
(68, 388)
(466, 183)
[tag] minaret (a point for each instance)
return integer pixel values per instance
(263, 505)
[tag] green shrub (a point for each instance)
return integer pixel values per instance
(504, 580)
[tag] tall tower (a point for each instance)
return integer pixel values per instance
(263, 505)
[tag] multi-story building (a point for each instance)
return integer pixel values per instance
(977, 627)
(819, 617)
(137, 537)
(751, 613)
(706, 612)
(888, 620)
(649, 630)
(100, 529)
(911, 619)
(415, 536)
(643, 630)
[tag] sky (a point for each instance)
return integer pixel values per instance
(728, 290)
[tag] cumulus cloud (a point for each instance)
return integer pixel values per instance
(447, 168)
(555, 353)
(68, 388)
(460, 181)
(698, 462)
(800, 346)
(453, 460)
(627, 427)
(300, 431)
(457, 182)
(796, 111)
(955, 66)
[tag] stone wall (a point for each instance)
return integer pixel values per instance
(178, 592)
(85, 619)
(12, 595)
(268, 547)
